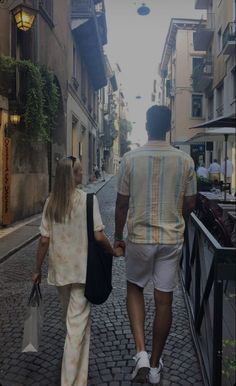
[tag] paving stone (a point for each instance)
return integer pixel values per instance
(112, 345)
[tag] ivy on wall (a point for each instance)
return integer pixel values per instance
(38, 98)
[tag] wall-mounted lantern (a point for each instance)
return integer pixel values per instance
(14, 118)
(24, 17)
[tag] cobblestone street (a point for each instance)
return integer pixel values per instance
(112, 346)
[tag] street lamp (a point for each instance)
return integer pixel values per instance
(144, 10)
(14, 118)
(24, 17)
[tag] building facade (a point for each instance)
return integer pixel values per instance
(216, 76)
(67, 37)
(176, 90)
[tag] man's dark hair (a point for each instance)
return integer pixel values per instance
(158, 121)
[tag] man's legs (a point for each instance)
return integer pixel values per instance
(136, 312)
(161, 325)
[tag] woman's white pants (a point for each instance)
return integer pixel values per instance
(76, 312)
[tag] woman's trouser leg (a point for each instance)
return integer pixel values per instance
(74, 370)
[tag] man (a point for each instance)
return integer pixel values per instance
(103, 171)
(157, 184)
(229, 170)
(214, 171)
(202, 171)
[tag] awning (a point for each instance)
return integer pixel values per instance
(226, 121)
(216, 134)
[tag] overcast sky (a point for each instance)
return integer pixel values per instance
(136, 44)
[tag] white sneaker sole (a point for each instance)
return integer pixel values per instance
(141, 376)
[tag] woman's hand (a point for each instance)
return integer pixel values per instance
(118, 252)
(36, 277)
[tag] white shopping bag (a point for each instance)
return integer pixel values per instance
(33, 321)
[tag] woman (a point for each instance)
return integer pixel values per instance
(64, 231)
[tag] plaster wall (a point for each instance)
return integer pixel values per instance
(182, 110)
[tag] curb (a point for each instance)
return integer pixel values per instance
(37, 235)
(20, 246)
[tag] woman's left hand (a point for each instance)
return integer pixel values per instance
(36, 277)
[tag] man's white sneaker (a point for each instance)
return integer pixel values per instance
(142, 367)
(155, 373)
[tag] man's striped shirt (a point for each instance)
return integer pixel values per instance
(156, 177)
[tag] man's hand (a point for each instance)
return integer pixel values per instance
(119, 248)
(36, 277)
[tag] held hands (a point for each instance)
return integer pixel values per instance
(118, 252)
(119, 248)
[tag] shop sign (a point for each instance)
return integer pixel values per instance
(6, 208)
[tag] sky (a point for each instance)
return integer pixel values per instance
(136, 44)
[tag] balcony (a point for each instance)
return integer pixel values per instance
(201, 4)
(229, 39)
(203, 75)
(88, 24)
(203, 35)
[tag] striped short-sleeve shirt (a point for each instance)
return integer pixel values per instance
(156, 177)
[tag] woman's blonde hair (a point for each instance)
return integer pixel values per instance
(61, 198)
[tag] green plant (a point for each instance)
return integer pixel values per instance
(51, 98)
(203, 184)
(229, 361)
(125, 127)
(38, 97)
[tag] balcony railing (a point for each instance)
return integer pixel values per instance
(202, 75)
(82, 8)
(91, 34)
(204, 33)
(229, 39)
(205, 267)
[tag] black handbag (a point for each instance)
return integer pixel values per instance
(99, 264)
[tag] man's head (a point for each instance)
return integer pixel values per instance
(215, 160)
(158, 122)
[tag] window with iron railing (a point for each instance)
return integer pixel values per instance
(220, 100)
(233, 73)
(229, 34)
(197, 105)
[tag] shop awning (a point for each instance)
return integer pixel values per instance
(225, 121)
(217, 134)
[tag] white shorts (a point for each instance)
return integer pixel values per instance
(159, 262)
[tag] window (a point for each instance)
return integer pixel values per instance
(219, 41)
(234, 82)
(74, 62)
(83, 82)
(197, 105)
(210, 107)
(220, 100)
(196, 63)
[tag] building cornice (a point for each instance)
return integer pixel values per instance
(175, 25)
